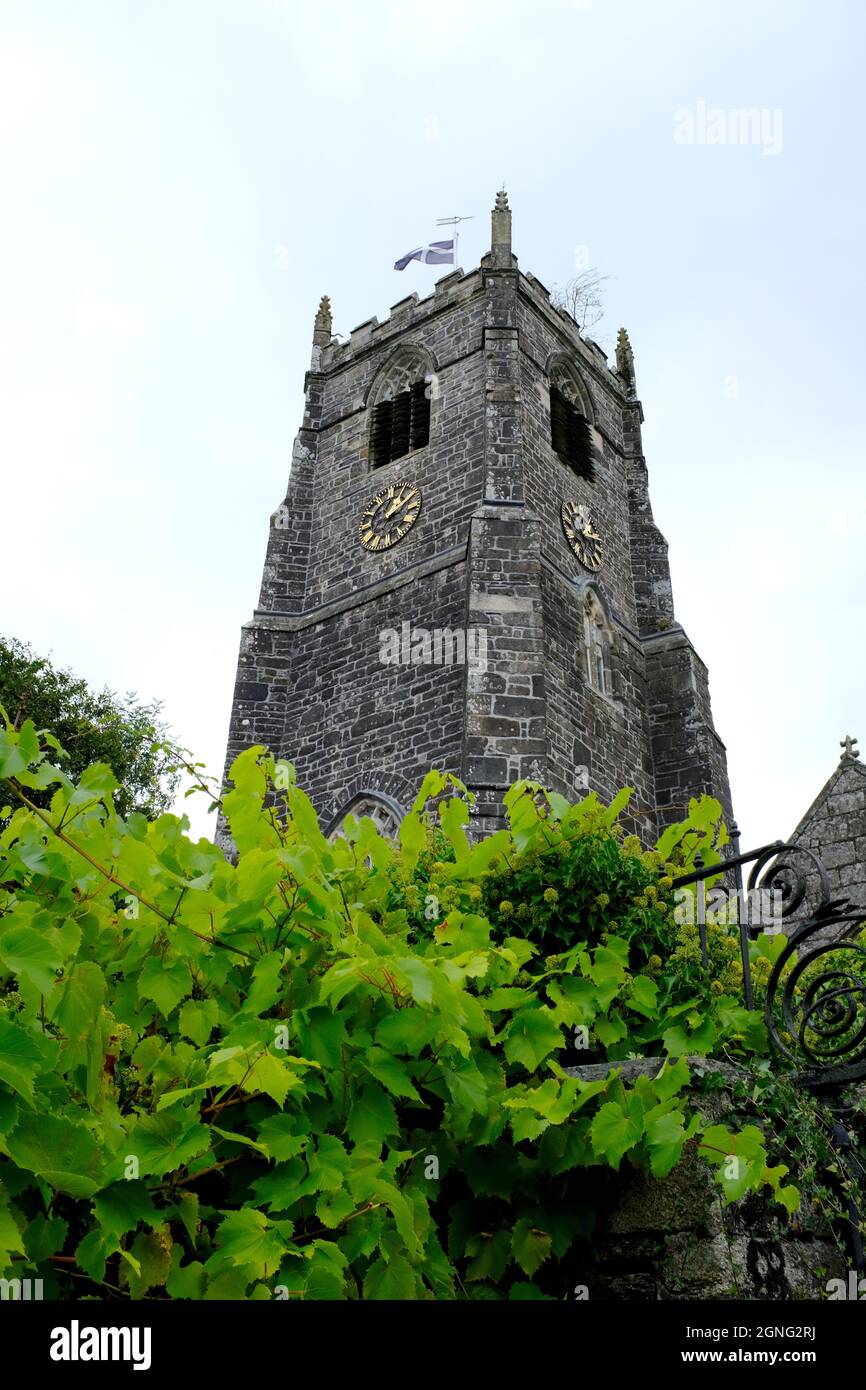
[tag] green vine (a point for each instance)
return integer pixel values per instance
(341, 1069)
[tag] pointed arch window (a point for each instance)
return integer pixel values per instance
(385, 813)
(570, 425)
(597, 645)
(401, 408)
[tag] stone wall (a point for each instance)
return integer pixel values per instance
(673, 1237)
(834, 827)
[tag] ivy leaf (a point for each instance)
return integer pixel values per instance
(610, 1030)
(79, 1007)
(271, 1075)
(665, 1136)
(702, 1039)
(508, 997)
(44, 1237)
(166, 1142)
(671, 1079)
(401, 1211)
(119, 1208)
(278, 1134)
(406, 1031)
(491, 1254)
(152, 1251)
(530, 1036)
(198, 1018)
(246, 1237)
(530, 1246)
(421, 977)
(741, 1024)
(413, 839)
(453, 815)
(643, 996)
(321, 1034)
(95, 782)
(32, 956)
(526, 1125)
(11, 1240)
(186, 1281)
(21, 1058)
(789, 1197)
(328, 1164)
(333, 1208)
(187, 1208)
(740, 1159)
(392, 1281)
(165, 984)
(372, 1118)
(266, 984)
(392, 1074)
(339, 981)
(283, 1185)
(92, 1253)
(65, 1154)
(613, 1132)
(675, 1041)
(12, 760)
(466, 1085)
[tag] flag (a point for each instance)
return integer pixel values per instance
(437, 253)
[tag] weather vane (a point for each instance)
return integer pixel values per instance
(453, 222)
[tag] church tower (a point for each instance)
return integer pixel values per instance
(466, 574)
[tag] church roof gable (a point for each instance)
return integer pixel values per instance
(843, 794)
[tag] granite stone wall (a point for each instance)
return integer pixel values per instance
(834, 827)
(674, 1238)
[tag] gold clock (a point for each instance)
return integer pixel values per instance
(389, 516)
(581, 534)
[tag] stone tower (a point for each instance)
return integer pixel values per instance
(465, 572)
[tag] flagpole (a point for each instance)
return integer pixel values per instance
(454, 222)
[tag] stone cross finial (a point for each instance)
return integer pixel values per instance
(849, 749)
(502, 201)
(324, 323)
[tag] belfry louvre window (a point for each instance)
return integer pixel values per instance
(401, 424)
(571, 435)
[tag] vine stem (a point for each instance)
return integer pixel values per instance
(193, 1177)
(112, 878)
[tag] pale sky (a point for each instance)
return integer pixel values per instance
(181, 181)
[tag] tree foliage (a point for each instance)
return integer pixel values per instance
(338, 1069)
(582, 297)
(91, 726)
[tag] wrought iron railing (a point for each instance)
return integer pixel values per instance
(815, 1004)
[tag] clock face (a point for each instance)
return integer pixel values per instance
(581, 534)
(389, 516)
